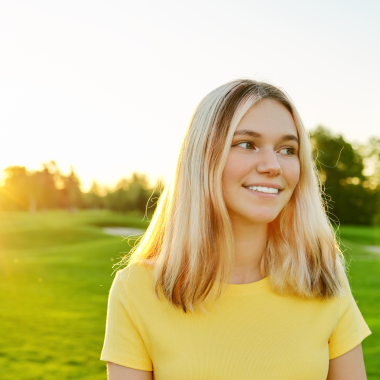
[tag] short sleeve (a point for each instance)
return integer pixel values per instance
(350, 330)
(123, 343)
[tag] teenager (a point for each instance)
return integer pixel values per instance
(239, 275)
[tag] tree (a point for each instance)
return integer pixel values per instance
(43, 189)
(371, 157)
(341, 171)
(93, 199)
(71, 191)
(130, 194)
(15, 194)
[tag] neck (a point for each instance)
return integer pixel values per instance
(250, 240)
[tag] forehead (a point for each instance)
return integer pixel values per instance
(269, 118)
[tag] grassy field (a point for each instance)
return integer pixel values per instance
(55, 274)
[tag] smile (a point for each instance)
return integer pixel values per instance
(262, 189)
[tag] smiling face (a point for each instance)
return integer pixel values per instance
(262, 168)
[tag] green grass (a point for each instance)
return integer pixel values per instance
(361, 234)
(55, 274)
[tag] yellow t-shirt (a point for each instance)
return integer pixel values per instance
(250, 333)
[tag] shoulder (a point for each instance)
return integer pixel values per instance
(135, 277)
(346, 293)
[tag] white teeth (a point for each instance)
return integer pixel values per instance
(262, 189)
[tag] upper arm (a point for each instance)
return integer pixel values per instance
(123, 343)
(119, 372)
(350, 327)
(349, 366)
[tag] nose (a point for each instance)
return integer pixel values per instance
(268, 164)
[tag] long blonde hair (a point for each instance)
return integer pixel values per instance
(189, 241)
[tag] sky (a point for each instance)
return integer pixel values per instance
(109, 86)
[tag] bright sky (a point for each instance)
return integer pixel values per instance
(109, 86)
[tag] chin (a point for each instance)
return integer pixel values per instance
(259, 217)
(254, 215)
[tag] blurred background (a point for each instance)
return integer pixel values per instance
(95, 97)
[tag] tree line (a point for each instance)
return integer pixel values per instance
(48, 189)
(350, 177)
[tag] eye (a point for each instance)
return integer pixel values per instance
(245, 145)
(287, 151)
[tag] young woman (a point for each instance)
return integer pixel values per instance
(239, 275)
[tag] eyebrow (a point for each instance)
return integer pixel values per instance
(258, 135)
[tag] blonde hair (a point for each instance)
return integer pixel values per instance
(190, 241)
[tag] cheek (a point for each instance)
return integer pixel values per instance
(233, 171)
(292, 174)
